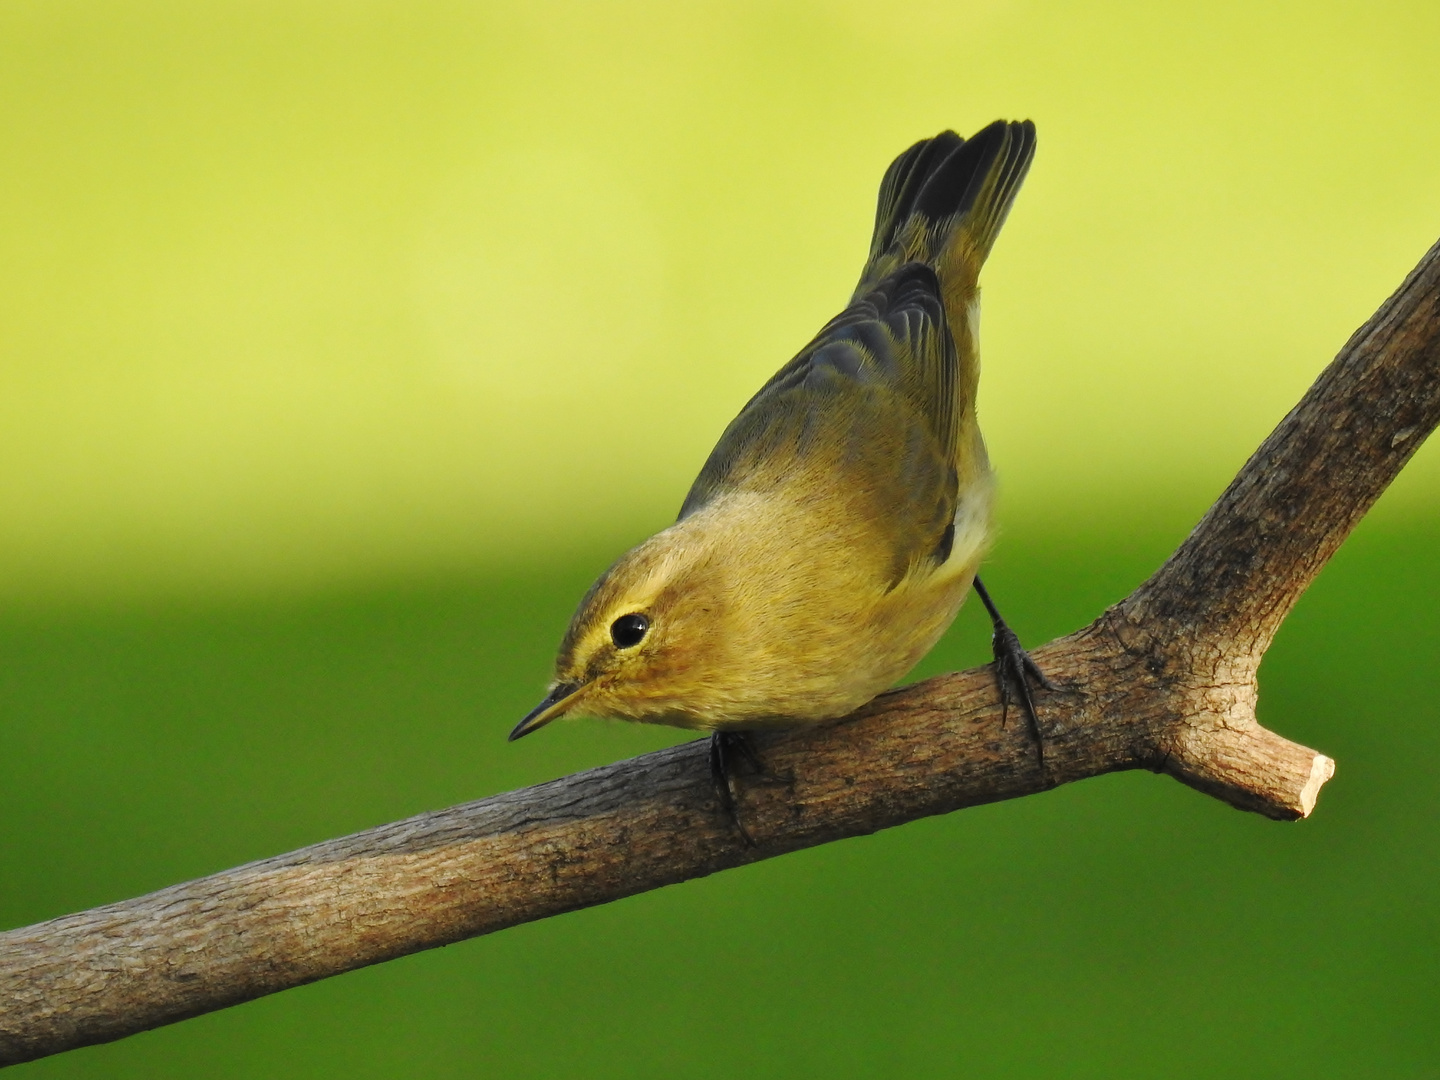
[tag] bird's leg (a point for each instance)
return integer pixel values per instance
(724, 746)
(1013, 672)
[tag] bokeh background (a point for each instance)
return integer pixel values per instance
(342, 344)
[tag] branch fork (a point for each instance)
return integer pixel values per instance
(1165, 680)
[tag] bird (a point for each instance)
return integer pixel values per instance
(841, 520)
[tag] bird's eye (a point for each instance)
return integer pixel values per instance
(628, 630)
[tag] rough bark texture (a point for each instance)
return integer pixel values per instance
(1165, 680)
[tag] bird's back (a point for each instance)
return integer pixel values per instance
(877, 414)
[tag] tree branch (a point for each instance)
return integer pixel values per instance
(1164, 680)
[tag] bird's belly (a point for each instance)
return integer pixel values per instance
(813, 630)
(842, 671)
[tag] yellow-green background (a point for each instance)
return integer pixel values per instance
(342, 344)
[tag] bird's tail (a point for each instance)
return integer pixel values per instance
(943, 201)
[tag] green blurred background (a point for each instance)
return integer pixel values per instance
(342, 344)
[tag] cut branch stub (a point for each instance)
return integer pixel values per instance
(1212, 610)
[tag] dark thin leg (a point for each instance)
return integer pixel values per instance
(724, 746)
(1013, 672)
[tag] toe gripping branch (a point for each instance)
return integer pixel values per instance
(1014, 672)
(725, 747)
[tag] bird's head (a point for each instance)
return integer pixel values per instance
(635, 644)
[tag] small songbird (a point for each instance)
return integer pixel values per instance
(838, 524)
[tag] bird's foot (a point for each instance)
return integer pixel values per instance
(1014, 673)
(727, 749)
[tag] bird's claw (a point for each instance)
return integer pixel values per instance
(724, 746)
(1014, 672)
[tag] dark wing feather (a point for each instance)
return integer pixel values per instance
(874, 398)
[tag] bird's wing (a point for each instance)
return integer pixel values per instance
(868, 411)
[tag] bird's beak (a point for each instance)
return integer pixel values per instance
(553, 706)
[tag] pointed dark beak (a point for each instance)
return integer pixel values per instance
(547, 710)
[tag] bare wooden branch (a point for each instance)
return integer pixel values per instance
(1165, 680)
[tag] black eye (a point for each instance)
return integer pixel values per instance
(628, 630)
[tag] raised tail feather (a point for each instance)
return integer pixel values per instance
(943, 201)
